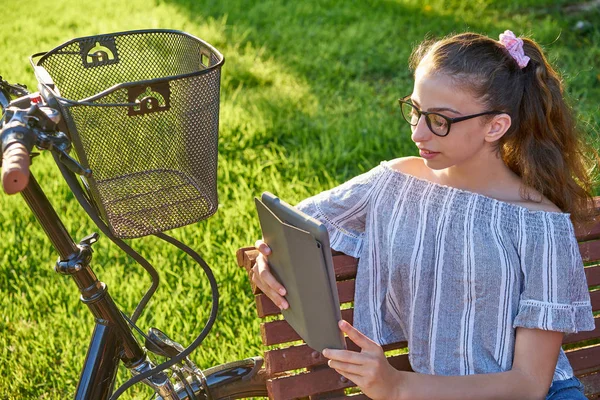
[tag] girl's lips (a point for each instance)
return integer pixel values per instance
(427, 154)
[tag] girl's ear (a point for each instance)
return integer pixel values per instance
(497, 127)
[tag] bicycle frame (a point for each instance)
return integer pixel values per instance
(112, 340)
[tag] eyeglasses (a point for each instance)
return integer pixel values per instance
(438, 124)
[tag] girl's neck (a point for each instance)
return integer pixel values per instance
(490, 177)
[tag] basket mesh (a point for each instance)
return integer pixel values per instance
(154, 165)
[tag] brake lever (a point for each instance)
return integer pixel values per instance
(14, 90)
(71, 163)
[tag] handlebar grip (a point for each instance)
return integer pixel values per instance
(15, 168)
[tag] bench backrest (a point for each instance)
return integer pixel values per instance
(297, 372)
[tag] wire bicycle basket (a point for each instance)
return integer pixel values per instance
(142, 111)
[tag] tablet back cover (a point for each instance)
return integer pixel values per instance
(294, 217)
(296, 260)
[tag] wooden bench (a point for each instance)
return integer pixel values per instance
(295, 371)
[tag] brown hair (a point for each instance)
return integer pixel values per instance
(543, 146)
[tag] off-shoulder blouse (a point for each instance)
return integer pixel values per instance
(454, 272)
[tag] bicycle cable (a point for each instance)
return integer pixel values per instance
(137, 328)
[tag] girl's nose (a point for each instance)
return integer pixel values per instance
(421, 132)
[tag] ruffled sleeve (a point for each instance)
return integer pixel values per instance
(555, 293)
(343, 210)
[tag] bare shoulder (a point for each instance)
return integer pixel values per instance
(537, 205)
(528, 197)
(410, 165)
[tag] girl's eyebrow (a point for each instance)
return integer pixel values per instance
(437, 109)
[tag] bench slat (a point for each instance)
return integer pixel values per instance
(345, 267)
(306, 384)
(595, 299)
(330, 395)
(585, 360)
(265, 307)
(590, 251)
(592, 233)
(592, 275)
(592, 385)
(578, 337)
(319, 381)
(246, 256)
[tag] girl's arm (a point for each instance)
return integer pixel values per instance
(536, 354)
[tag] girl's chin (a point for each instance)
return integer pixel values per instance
(435, 163)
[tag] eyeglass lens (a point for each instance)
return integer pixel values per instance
(437, 123)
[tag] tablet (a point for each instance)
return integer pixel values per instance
(301, 260)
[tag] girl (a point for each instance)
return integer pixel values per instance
(467, 252)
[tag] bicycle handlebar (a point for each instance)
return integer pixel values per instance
(18, 138)
(15, 167)
(16, 142)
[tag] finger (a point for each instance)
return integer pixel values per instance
(347, 368)
(275, 297)
(357, 337)
(265, 275)
(260, 277)
(345, 356)
(262, 247)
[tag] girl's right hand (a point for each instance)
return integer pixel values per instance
(264, 279)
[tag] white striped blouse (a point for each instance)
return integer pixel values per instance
(454, 272)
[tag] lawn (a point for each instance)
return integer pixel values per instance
(308, 100)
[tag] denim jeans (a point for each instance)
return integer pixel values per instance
(569, 389)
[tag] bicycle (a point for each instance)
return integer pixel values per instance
(49, 120)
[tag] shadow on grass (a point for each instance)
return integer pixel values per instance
(348, 61)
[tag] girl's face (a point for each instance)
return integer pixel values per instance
(434, 92)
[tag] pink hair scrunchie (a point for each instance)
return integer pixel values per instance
(514, 45)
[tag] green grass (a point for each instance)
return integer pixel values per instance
(309, 93)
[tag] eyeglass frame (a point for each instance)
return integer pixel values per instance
(450, 120)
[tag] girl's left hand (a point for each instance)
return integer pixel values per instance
(369, 369)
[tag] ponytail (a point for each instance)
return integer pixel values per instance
(546, 149)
